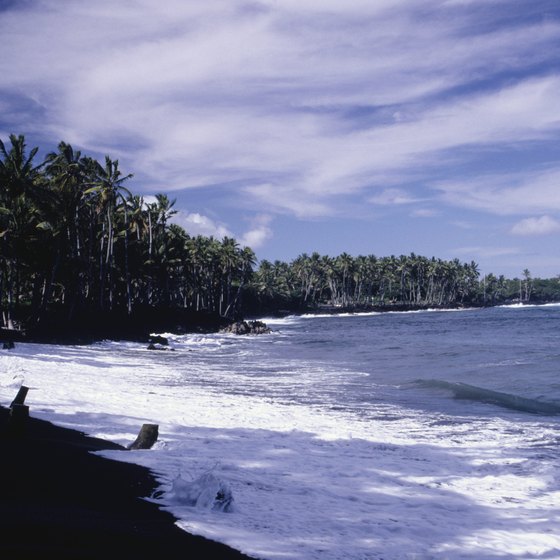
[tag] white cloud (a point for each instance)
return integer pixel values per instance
(486, 252)
(505, 194)
(392, 196)
(256, 238)
(307, 100)
(259, 233)
(536, 226)
(149, 199)
(462, 224)
(287, 199)
(424, 213)
(197, 224)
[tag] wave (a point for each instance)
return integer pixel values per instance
(435, 310)
(384, 312)
(287, 320)
(528, 305)
(480, 394)
(341, 314)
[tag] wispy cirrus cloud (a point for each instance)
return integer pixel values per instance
(424, 213)
(392, 196)
(318, 99)
(506, 194)
(543, 225)
(297, 106)
(487, 251)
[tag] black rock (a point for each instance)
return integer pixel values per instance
(247, 327)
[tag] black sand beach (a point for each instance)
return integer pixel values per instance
(61, 501)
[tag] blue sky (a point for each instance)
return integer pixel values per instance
(371, 127)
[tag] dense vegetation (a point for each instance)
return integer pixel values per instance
(72, 236)
(369, 281)
(75, 240)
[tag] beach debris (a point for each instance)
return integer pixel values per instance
(153, 346)
(207, 492)
(20, 397)
(247, 327)
(158, 342)
(146, 437)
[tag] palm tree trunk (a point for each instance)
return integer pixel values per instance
(126, 269)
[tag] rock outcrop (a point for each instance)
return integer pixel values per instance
(247, 327)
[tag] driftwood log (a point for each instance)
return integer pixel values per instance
(146, 438)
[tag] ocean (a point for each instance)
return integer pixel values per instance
(406, 435)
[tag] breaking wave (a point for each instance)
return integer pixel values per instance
(480, 394)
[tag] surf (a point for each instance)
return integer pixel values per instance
(488, 396)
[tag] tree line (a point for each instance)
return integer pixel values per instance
(74, 237)
(362, 281)
(365, 282)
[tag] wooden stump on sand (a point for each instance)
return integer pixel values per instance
(146, 438)
(20, 397)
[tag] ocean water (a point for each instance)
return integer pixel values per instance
(418, 435)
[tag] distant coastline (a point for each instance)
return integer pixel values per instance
(394, 307)
(140, 325)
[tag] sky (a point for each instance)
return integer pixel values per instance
(379, 127)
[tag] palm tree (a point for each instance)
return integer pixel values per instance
(229, 263)
(18, 216)
(68, 174)
(110, 194)
(246, 261)
(527, 285)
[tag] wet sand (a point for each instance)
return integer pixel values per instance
(58, 499)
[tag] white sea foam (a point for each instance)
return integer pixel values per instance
(308, 482)
(387, 311)
(520, 305)
(342, 314)
(435, 310)
(288, 320)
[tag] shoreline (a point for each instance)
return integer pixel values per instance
(139, 327)
(91, 326)
(333, 310)
(60, 498)
(408, 465)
